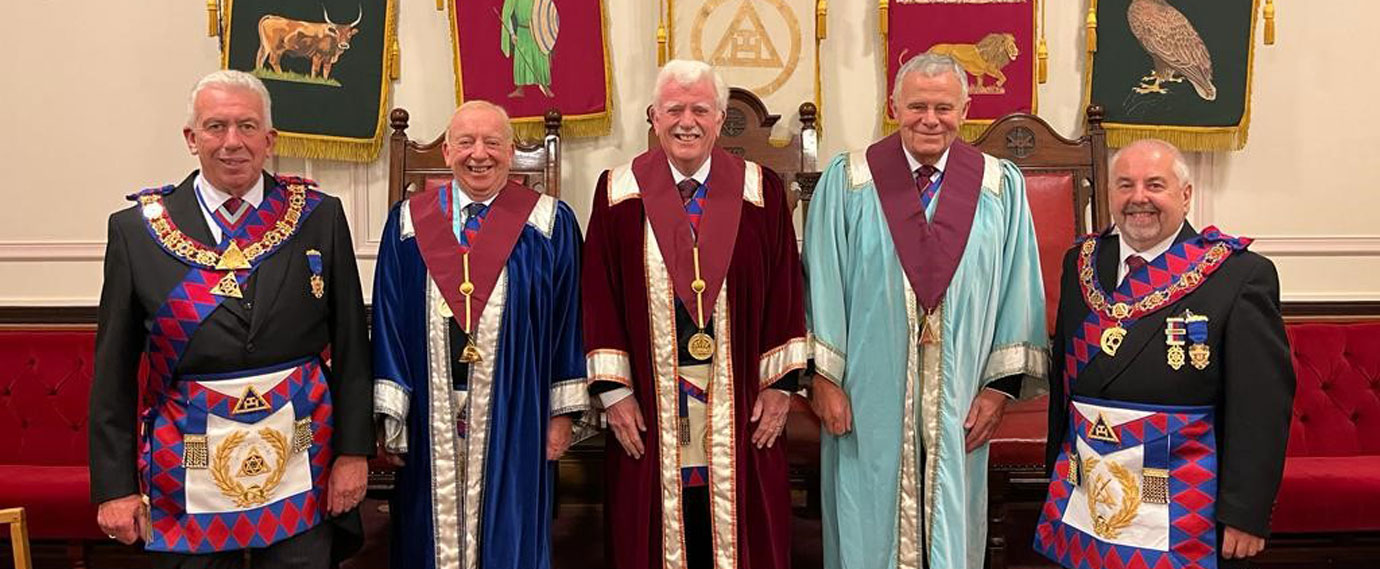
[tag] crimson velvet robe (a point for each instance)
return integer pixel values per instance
(630, 291)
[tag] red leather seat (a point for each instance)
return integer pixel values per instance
(1332, 473)
(45, 380)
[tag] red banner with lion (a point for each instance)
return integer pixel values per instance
(994, 41)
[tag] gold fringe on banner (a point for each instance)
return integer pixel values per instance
(325, 147)
(1269, 22)
(1091, 25)
(534, 128)
(1186, 138)
(821, 19)
(212, 18)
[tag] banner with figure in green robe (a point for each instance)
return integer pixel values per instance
(1178, 70)
(327, 65)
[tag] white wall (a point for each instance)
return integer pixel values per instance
(93, 100)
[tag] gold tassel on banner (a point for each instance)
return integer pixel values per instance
(1269, 22)
(1042, 51)
(821, 19)
(440, 5)
(661, 45)
(394, 60)
(212, 18)
(882, 16)
(1092, 27)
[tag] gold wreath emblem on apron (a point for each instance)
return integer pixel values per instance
(1099, 493)
(255, 494)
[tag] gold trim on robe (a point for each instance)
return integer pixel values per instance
(609, 365)
(783, 359)
(661, 305)
(445, 459)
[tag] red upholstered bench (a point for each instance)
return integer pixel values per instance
(45, 380)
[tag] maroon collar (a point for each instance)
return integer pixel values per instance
(929, 250)
(718, 227)
(488, 254)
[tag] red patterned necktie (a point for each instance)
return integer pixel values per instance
(474, 218)
(694, 201)
(1135, 263)
(922, 183)
(232, 214)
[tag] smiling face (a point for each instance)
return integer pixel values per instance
(1148, 200)
(479, 150)
(930, 109)
(687, 120)
(230, 138)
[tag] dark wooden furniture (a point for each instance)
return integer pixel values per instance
(414, 166)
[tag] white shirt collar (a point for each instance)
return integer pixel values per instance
(701, 175)
(213, 197)
(938, 164)
(1149, 254)
(463, 199)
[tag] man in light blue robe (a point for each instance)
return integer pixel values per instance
(927, 312)
(479, 362)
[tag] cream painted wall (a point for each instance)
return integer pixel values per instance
(98, 114)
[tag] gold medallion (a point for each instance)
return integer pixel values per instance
(1111, 339)
(929, 329)
(471, 353)
(701, 346)
(228, 287)
(232, 259)
(318, 286)
(254, 464)
(443, 308)
(1176, 357)
(1199, 354)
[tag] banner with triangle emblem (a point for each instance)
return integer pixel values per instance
(769, 47)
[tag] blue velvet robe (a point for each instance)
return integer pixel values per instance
(477, 495)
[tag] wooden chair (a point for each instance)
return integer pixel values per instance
(415, 166)
(747, 133)
(19, 536)
(1066, 187)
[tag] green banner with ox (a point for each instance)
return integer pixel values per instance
(1178, 70)
(327, 65)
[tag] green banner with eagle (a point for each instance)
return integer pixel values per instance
(328, 64)
(1177, 70)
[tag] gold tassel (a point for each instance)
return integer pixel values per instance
(882, 16)
(821, 19)
(661, 45)
(440, 5)
(212, 18)
(394, 61)
(1042, 54)
(1269, 22)
(1092, 28)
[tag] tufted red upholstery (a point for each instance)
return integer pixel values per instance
(45, 379)
(1051, 195)
(1332, 477)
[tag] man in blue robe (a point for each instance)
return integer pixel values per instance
(927, 313)
(479, 365)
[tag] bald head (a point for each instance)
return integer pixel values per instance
(479, 148)
(1151, 192)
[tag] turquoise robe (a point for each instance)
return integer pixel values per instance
(879, 500)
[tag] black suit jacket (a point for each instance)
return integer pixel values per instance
(1250, 378)
(278, 320)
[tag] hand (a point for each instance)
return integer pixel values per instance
(983, 417)
(830, 403)
(770, 415)
(558, 434)
(119, 518)
(625, 420)
(1237, 544)
(349, 479)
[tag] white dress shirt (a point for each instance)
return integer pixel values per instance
(1149, 254)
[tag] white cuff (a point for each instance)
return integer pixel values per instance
(608, 398)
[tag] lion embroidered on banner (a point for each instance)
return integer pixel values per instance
(985, 58)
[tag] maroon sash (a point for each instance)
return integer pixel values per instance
(488, 253)
(671, 225)
(929, 251)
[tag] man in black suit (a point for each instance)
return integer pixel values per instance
(241, 289)
(1171, 386)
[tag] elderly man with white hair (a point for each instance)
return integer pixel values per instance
(233, 285)
(477, 361)
(927, 313)
(694, 335)
(1172, 386)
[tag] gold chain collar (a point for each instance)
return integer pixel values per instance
(1097, 300)
(194, 252)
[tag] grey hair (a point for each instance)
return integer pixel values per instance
(1180, 164)
(231, 79)
(481, 104)
(930, 65)
(688, 72)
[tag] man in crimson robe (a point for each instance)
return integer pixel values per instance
(694, 336)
